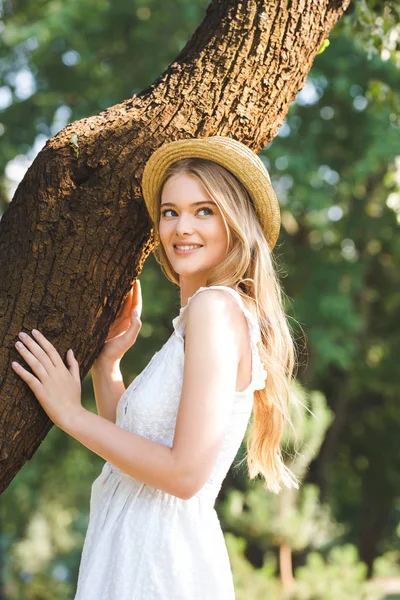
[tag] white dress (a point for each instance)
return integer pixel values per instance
(142, 543)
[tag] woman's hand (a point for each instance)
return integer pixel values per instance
(125, 328)
(57, 387)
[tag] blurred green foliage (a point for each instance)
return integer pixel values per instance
(336, 169)
(341, 575)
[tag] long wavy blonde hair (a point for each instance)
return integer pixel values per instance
(249, 268)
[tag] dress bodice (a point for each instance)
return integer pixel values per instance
(150, 404)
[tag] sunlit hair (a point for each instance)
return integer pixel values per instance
(249, 268)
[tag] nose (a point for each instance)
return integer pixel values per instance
(183, 225)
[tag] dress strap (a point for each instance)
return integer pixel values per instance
(259, 374)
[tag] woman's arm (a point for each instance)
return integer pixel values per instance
(210, 371)
(108, 386)
(150, 462)
(214, 329)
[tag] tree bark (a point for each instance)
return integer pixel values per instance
(77, 232)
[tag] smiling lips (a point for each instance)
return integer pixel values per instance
(186, 248)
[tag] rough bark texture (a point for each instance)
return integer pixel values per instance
(77, 232)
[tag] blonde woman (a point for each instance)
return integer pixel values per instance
(170, 438)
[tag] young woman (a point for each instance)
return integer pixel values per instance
(170, 438)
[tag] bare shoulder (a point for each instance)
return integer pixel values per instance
(215, 314)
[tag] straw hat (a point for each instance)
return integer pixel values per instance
(231, 154)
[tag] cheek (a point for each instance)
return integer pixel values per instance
(163, 230)
(218, 234)
(217, 243)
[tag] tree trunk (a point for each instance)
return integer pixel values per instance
(77, 232)
(375, 514)
(285, 567)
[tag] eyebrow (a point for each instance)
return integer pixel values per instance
(193, 204)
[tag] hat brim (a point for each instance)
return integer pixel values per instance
(229, 153)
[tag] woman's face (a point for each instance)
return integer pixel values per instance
(189, 216)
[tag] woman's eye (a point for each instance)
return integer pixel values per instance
(206, 208)
(164, 212)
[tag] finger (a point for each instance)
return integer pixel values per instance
(48, 348)
(126, 305)
(30, 379)
(136, 316)
(37, 367)
(36, 350)
(130, 299)
(137, 297)
(74, 365)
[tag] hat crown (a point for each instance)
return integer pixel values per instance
(243, 150)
